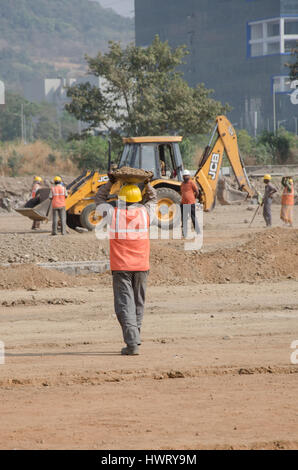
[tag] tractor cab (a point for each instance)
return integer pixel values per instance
(161, 155)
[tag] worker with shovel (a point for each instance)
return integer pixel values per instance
(267, 200)
(129, 256)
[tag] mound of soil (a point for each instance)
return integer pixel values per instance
(132, 175)
(270, 255)
(29, 276)
(29, 248)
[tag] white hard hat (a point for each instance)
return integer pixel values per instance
(186, 173)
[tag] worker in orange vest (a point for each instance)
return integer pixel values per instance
(36, 185)
(129, 256)
(58, 194)
(287, 201)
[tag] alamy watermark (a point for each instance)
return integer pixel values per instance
(2, 93)
(294, 355)
(177, 222)
(2, 353)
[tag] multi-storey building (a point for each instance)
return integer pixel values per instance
(238, 48)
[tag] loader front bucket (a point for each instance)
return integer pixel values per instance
(227, 195)
(41, 212)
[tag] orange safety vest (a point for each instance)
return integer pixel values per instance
(287, 199)
(129, 239)
(35, 188)
(58, 196)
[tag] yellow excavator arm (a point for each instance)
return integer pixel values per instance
(208, 171)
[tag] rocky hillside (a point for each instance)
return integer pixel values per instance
(39, 37)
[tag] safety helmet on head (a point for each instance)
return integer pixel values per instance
(186, 173)
(57, 179)
(38, 179)
(267, 177)
(130, 193)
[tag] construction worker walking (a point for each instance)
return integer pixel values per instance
(57, 195)
(129, 256)
(36, 185)
(267, 200)
(287, 201)
(189, 193)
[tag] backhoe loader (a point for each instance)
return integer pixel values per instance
(162, 156)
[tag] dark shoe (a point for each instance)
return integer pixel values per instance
(130, 351)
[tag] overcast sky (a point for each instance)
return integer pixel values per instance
(123, 7)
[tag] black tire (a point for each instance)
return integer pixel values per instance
(86, 217)
(73, 220)
(168, 195)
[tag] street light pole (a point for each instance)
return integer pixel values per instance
(295, 119)
(22, 121)
(274, 108)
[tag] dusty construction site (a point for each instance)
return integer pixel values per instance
(215, 366)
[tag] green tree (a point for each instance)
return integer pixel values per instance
(15, 162)
(89, 153)
(46, 129)
(143, 93)
(279, 144)
(10, 116)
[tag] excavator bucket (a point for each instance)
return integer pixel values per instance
(226, 195)
(41, 212)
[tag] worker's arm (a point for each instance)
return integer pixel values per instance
(272, 190)
(150, 197)
(195, 190)
(103, 193)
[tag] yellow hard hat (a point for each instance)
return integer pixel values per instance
(267, 177)
(291, 180)
(57, 179)
(130, 193)
(38, 179)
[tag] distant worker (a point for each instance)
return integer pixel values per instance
(129, 256)
(189, 192)
(58, 195)
(36, 185)
(267, 200)
(162, 168)
(287, 201)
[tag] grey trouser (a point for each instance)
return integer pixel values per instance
(62, 216)
(186, 211)
(129, 301)
(267, 212)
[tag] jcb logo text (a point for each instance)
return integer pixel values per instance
(213, 166)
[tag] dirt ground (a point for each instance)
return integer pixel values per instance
(215, 367)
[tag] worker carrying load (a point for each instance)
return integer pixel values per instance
(58, 195)
(287, 201)
(267, 200)
(129, 254)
